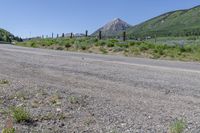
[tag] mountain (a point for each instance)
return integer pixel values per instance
(6, 36)
(175, 23)
(113, 28)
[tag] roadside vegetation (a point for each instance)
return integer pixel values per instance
(178, 126)
(184, 51)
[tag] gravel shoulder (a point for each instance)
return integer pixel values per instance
(75, 92)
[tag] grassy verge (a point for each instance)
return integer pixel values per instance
(186, 52)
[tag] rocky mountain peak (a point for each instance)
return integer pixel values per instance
(114, 27)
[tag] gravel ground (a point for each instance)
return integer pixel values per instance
(69, 92)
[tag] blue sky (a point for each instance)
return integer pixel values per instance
(27, 18)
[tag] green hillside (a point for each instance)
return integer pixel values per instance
(176, 23)
(6, 36)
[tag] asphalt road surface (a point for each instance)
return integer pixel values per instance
(125, 94)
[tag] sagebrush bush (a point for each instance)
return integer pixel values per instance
(60, 48)
(83, 47)
(67, 45)
(103, 50)
(101, 43)
(118, 49)
(110, 44)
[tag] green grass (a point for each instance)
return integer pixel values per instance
(20, 114)
(163, 49)
(8, 130)
(178, 126)
(73, 100)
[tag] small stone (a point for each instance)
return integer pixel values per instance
(123, 124)
(58, 103)
(59, 110)
(20, 105)
(62, 125)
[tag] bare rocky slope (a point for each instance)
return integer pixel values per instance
(113, 28)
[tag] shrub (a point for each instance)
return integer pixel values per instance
(72, 41)
(55, 100)
(33, 45)
(83, 47)
(118, 49)
(103, 50)
(156, 56)
(59, 48)
(110, 44)
(143, 47)
(3, 81)
(94, 40)
(186, 48)
(135, 51)
(8, 130)
(102, 43)
(178, 126)
(159, 49)
(132, 43)
(113, 41)
(192, 38)
(73, 100)
(67, 45)
(96, 44)
(123, 45)
(20, 114)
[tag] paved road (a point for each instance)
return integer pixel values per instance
(146, 94)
